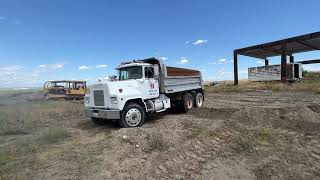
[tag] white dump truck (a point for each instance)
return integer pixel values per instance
(144, 87)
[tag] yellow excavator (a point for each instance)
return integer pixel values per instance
(64, 89)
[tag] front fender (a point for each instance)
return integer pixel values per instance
(124, 101)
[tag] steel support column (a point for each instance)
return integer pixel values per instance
(283, 63)
(266, 62)
(291, 59)
(235, 68)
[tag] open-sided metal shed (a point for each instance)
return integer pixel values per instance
(284, 48)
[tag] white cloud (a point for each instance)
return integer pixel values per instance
(311, 67)
(183, 60)
(10, 70)
(214, 78)
(243, 74)
(222, 61)
(48, 67)
(35, 74)
(187, 42)
(99, 66)
(200, 41)
(17, 76)
(45, 68)
(11, 21)
(163, 58)
(261, 62)
(223, 72)
(83, 67)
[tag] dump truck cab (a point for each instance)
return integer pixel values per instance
(135, 82)
(67, 89)
(142, 87)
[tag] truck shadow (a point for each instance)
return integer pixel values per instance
(152, 118)
(89, 125)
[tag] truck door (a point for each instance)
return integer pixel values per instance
(150, 84)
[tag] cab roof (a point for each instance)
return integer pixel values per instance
(61, 81)
(140, 62)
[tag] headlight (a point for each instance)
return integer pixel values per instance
(87, 100)
(113, 100)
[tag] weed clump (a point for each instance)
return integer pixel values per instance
(156, 142)
(249, 141)
(54, 135)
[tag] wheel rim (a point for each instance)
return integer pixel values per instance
(133, 117)
(189, 102)
(199, 100)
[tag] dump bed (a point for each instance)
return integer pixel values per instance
(174, 79)
(180, 79)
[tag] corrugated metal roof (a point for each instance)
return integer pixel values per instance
(298, 44)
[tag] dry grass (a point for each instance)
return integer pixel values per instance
(30, 127)
(198, 132)
(26, 117)
(20, 91)
(156, 142)
(250, 141)
(54, 135)
(12, 160)
(303, 86)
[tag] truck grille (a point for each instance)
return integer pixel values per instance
(98, 98)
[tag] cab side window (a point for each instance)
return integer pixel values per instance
(149, 73)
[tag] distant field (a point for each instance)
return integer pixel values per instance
(18, 90)
(306, 85)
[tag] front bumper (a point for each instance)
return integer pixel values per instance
(102, 113)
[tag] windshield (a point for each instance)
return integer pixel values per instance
(134, 72)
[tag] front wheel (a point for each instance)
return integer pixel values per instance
(133, 115)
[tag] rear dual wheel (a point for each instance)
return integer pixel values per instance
(198, 99)
(189, 101)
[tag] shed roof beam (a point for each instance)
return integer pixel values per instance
(309, 45)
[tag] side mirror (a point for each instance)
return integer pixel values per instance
(113, 78)
(156, 72)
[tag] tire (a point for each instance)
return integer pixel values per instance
(198, 99)
(187, 102)
(98, 121)
(133, 115)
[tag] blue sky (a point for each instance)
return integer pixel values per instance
(86, 39)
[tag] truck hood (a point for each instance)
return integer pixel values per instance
(128, 87)
(122, 90)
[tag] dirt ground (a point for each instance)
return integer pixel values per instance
(247, 135)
